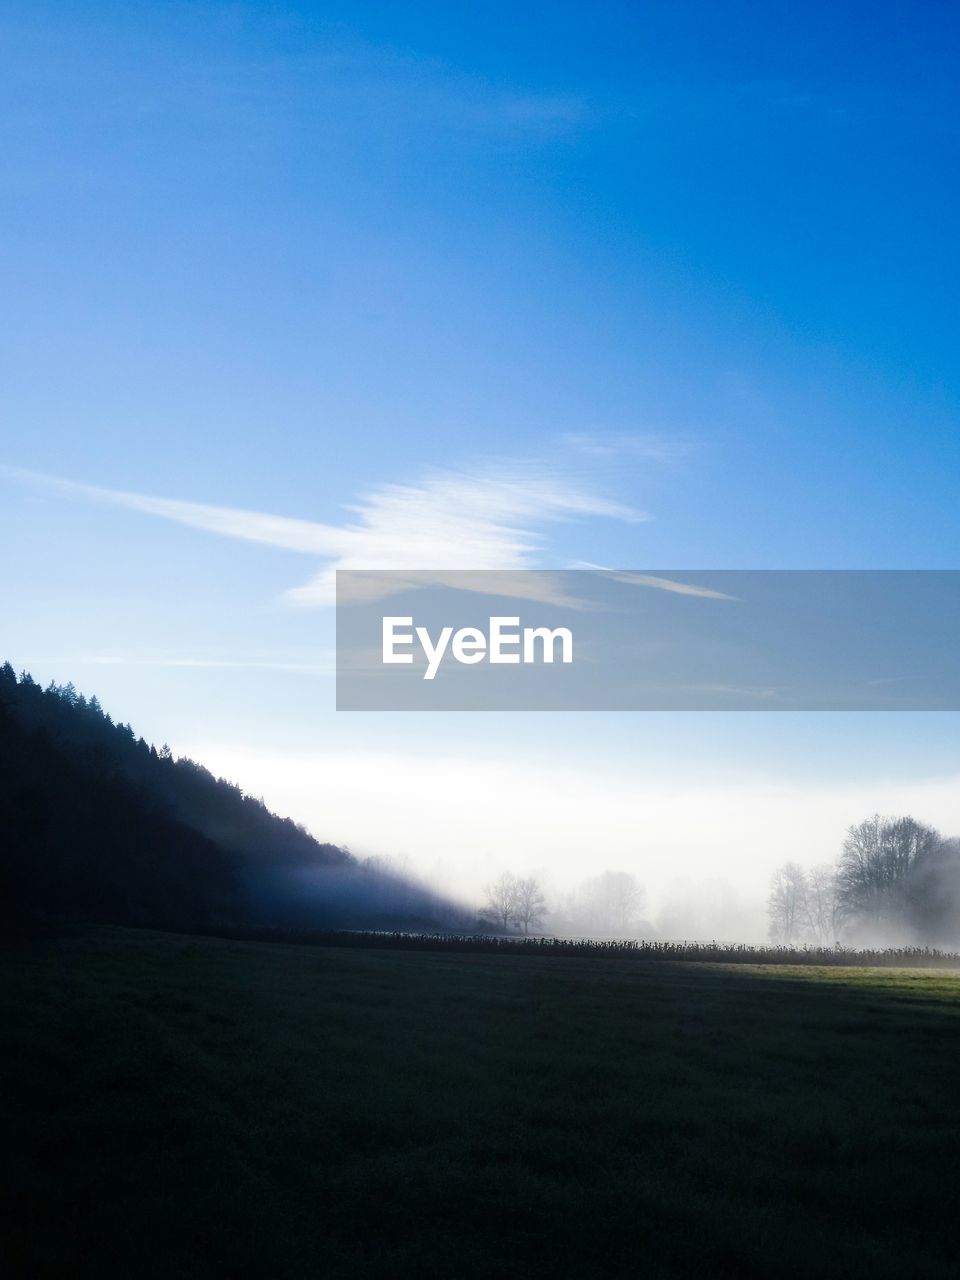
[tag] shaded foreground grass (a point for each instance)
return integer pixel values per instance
(176, 1106)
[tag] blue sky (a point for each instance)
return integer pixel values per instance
(687, 260)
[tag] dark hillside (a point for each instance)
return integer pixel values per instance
(96, 823)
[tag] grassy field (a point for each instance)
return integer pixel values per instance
(190, 1107)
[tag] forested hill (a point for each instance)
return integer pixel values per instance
(97, 823)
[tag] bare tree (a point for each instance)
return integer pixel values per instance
(529, 904)
(879, 869)
(609, 904)
(821, 904)
(502, 899)
(787, 904)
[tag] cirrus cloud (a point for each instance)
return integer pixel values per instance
(491, 516)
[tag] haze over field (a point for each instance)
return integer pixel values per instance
(705, 849)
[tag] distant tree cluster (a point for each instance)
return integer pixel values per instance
(802, 906)
(95, 823)
(896, 880)
(515, 902)
(608, 905)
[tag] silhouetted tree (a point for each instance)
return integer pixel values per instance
(609, 903)
(880, 870)
(502, 899)
(529, 903)
(821, 904)
(787, 905)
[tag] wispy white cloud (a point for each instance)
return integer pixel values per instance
(631, 579)
(232, 522)
(667, 584)
(324, 665)
(491, 517)
(625, 447)
(544, 587)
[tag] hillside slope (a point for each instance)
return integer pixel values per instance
(96, 823)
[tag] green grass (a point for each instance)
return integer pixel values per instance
(186, 1107)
